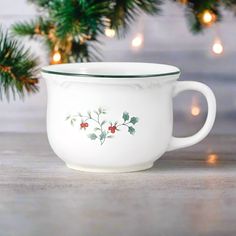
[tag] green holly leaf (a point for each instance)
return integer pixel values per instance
(68, 117)
(125, 116)
(92, 136)
(134, 120)
(131, 130)
(103, 135)
(100, 110)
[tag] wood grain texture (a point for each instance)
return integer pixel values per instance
(188, 192)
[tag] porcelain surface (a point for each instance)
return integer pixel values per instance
(116, 117)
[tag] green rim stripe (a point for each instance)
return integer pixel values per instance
(110, 76)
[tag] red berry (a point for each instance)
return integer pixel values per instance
(83, 125)
(113, 129)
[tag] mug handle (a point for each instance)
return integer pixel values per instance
(176, 143)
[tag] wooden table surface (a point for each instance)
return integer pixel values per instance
(188, 192)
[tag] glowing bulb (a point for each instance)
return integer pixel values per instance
(137, 41)
(110, 32)
(195, 110)
(217, 47)
(56, 58)
(207, 17)
(212, 159)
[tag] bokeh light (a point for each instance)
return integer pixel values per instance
(56, 58)
(110, 33)
(137, 41)
(217, 47)
(195, 110)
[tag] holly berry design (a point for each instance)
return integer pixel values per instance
(112, 129)
(83, 125)
(101, 129)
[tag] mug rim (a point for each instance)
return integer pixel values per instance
(133, 69)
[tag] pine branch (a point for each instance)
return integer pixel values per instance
(72, 27)
(85, 52)
(194, 10)
(71, 24)
(24, 28)
(78, 18)
(38, 27)
(18, 68)
(125, 12)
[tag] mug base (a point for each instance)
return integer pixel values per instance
(140, 167)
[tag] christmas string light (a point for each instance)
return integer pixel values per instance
(217, 47)
(195, 108)
(137, 41)
(56, 58)
(110, 33)
(207, 18)
(138, 38)
(212, 158)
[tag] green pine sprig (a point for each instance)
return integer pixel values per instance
(195, 8)
(33, 28)
(18, 68)
(73, 27)
(123, 13)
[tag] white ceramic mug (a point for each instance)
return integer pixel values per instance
(116, 117)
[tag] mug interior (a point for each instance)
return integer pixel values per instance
(112, 69)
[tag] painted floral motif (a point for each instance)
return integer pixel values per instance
(100, 129)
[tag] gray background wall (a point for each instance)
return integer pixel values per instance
(167, 40)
